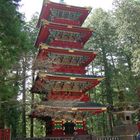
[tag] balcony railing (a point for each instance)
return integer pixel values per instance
(85, 137)
(48, 138)
(125, 137)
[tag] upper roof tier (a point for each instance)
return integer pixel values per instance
(63, 14)
(57, 59)
(65, 36)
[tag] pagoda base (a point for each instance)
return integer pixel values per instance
(64, 128)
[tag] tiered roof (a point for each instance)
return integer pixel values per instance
(59, 109)
(65, 86)
(63, 60)
(61, 35)
(62, 57)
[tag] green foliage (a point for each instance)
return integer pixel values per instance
(14, 42)
(12, 113)
(116, 37)
(128, 41)
(97, 124)
(11, 38)
(136, 62)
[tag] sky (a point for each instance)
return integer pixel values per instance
(29, 7)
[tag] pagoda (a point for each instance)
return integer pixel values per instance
(61, 62)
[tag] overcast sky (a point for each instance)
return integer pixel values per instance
(29, 7)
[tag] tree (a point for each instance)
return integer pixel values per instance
(103, 41)
(13, 42)
(128, 31)
(25, 63)
(9, 42)
(116, 37)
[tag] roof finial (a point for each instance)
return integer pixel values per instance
(61, 1)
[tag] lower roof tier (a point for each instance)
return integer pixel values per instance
(65, 36)
(64, 83)
(66, 109)
(63, 60)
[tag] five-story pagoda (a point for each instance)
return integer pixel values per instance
(62, 62)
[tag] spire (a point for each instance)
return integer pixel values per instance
(61, 1)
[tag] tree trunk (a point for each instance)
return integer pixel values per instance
(2, 124)
(104, 125)
(24, 62)
(15, 120)
(131, 77)
(32, 105)
(109, 95)
(32, 120)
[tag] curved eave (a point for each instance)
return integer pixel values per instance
(70, 77)
(75, 109)
(47, 109)
(60, 49)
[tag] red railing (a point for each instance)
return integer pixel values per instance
(4, 134)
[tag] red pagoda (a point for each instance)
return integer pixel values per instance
(62, 62)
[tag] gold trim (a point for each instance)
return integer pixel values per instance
(104, 108)
(45, 22)
(71, 51)
(46, 1)
(58, 121)
(74, 109)
(78, 121)
(100, 79)
(89, 8)
(72, 78)
(43, 46)
(69, 6)
(69, 26)
(42, 74)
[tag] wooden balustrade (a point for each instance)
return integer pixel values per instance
(48, 138)
(125, 137)
(85, 137)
